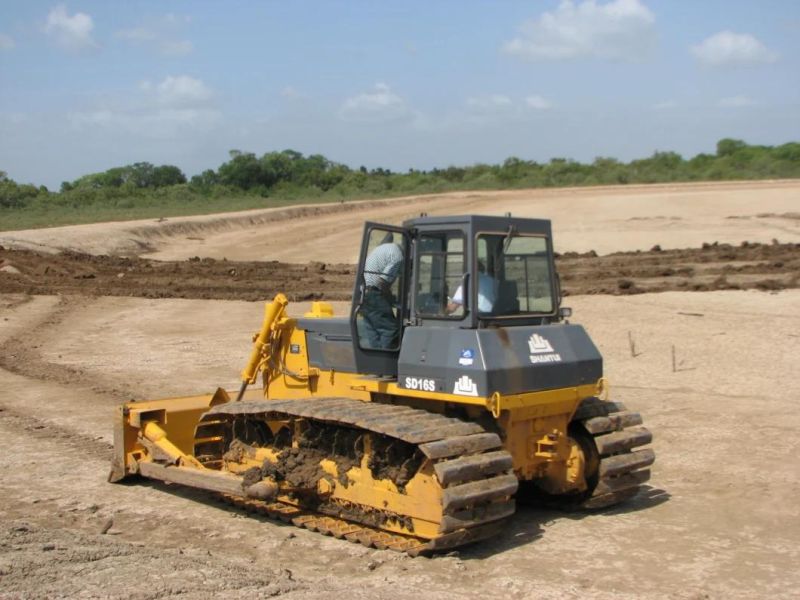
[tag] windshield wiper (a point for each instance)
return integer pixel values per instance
(512, 233)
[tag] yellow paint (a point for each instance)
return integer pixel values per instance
(534, 424)
(155, 434)
(261, 349)
(319, 310)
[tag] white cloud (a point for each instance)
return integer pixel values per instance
(481, 111)
(616, 30)
(161, 123)
(502, 105)
(490, 110)
(181, 91)
(727, 48)
(173, 106)
(493, 102)
(665, 105)
(71, 32)
(6, 42)
(161, 34)
(381, 104)
(538, 103)
(736, 102)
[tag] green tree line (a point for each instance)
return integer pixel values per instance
(290, 176)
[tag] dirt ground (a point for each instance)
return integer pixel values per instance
(719, 519)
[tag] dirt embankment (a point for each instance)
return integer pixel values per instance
(712, 267)
(85, 274)
(604, 218)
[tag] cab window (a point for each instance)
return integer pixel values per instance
(440, 272)
(514, 275)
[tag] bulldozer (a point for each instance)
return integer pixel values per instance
(455, 388)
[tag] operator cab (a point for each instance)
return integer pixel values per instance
(463, 272)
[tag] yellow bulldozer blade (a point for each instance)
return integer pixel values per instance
(171, 425)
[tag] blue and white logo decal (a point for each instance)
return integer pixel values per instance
(467, 357)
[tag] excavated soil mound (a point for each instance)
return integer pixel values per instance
(87, 274)
(711, 267)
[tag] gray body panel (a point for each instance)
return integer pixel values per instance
(329, 344)
(475, 362)
(509, 360)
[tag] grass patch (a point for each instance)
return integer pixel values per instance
(42, 215)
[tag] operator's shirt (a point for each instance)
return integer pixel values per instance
(382, 266)
(485, 294)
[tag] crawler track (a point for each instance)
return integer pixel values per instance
(472, 470)
(356, 533)
(616, 433)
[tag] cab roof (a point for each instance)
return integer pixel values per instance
(478, 223)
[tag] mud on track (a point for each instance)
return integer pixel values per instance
(711, 267)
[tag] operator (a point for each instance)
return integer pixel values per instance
(380, 271)
(486, 295)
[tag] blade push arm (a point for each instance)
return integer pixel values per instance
(261, 347)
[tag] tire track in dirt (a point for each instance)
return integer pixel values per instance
(42, 429)
(38, 561)
(19, 355)
(54, 526)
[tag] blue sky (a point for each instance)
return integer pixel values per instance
(87, 85)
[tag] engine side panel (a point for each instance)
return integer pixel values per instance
(329, 343)
(509, 360)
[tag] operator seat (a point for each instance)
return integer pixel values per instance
(506, 300)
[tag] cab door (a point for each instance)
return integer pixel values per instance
(380, 298)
